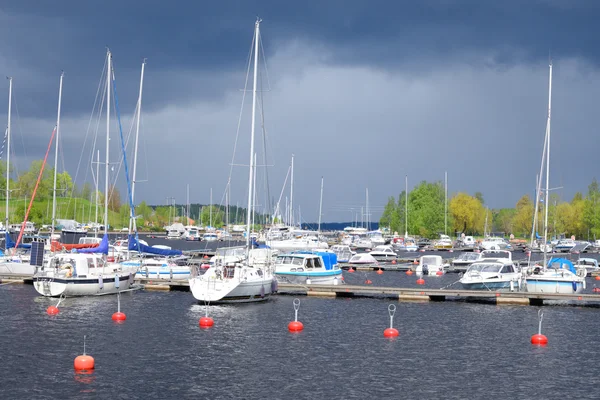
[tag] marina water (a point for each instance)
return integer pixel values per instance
(452, 350)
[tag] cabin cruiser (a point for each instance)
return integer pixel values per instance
(431, 265)
(589, 265)
(405, 244)
(342, 252)
(492, 274)
(376, 238)
(308, 268)
(464, 260)
(564, 245)
(384, 253)
(494, 243)
(159, 268)
(443, 243)
(559, 276)
(210, 237)
(305, 242)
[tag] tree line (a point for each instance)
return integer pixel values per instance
(468, 214)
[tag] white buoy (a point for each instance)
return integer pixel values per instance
(308, 280)
(335, 280)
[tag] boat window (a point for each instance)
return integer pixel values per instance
(309, 263)
(90, 263)
(317, 262)
(296, 261)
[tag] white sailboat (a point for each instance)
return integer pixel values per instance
(239, 281)
(557, 275)
(86, 273)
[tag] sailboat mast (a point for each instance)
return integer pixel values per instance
(292, 194)
(132, 222)
(406, 207)
(320, 206)
(252, 166)
(8, 149)
(106, 170)
(547, 163)
(56, 155)
(445, 202)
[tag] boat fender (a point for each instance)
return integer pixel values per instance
(574, 286)
(69, 270)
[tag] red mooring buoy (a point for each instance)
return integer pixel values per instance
(379, 272)
(295, 325)
(597, 277)
(206, 322)
(539, 340)
(420, 281)
(84, 362)
(439, 273)
(409, 272)
(368, 281)
(119, 316)
(393, 261)
(351, 270)
(391, 332)
(52, 310)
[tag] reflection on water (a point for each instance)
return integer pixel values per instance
(453, 350)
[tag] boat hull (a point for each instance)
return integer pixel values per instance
(166, 273)
(50, 286)
(550, 285)
(21, 269)
(303, 278)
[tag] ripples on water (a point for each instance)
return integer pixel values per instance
(445, 350)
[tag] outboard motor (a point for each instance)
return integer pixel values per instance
(425, 269)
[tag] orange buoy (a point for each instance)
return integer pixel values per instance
(52, 310)
(420, 281)
(390, 332)
(84, 363)
(206, 322)
(351, 269)
(596, 290)
(379, 271)
(597, 277)
(415, 262)
(295, 326)
(119, 316)
(409, 272)
(205, 256)
(439, 273)
(539, 340)
(368, 281)
(393, 261)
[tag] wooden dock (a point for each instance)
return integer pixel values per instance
(397, 293)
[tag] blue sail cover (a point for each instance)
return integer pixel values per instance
(562, 263)
(102, 247)
(11, 243)
(142, 248)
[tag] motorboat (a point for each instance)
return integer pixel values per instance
(405, 244)
(376, 237)
(589, 265)
(158, 268)
(362, 259)
(81, 274)
(305, 242)
(464, 260)
(496, 254)
(308, 268)
(431, 265)
(210, 237)
(443, 243)
(494, 243)
(564, 245)
(384, 253)
(492, 274)
(559, 276)
(342, 252)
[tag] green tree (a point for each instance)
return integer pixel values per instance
(466, 211)
(503, 220)
(27, 181)
(86, 192)
(217, 216)
(523, 217)
(427, 209)
(114, 200)
(144, 212)
(389, 215)
(591, 209)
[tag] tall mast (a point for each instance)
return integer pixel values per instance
(106, 170)
(547, 163)
(320, 206)
(254, 194)
(210, 210)
(292, 194)
(252, 166)
(188, 204)
(406, 206)
(56, 155)
(445, 202)
(132, 222)
(97, 192)
(8, 149)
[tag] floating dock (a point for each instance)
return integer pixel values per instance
(398, 293)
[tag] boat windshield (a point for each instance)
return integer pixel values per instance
(484, 267)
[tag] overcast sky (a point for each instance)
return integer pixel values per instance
(361, 92)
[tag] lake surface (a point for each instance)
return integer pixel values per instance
(451, 350)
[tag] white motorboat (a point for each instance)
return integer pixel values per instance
(306, 242)
(405, 244)
(81, 274)
(308, 268)
(158, 268)
(362, 259)
(494, 243)
(431, 265)
(492, 274)
(443, 243)
(384, 253)
(564, 245)
(560, 276)
(342, 252)
(589, 265)
(464, 260)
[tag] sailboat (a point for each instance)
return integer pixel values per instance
(406, 243)
(234, 282)
(557, 275)
(87, 272)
